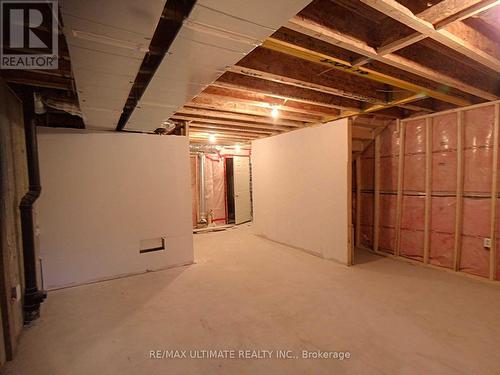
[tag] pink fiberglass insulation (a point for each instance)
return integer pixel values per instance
(476, 226)
(412, 214)
(366, 204)
(477, 170)
(389, 140)
(444, 172)
(412, 244)
(367, 173)
(214, 188)
(474, 257)
(478, 153)
(388, 208)
(387, 231)
(442, 236)
(389, 173)
(412, 227)
(415, 137)
(387, 239)
(414, 173)
(444, 132)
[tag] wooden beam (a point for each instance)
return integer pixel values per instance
(402, 14)
(358, 201)
(265, 101)
(376, 195)
(361, 133)
(428, 189)
(224, 133)
(399, 202)
(457, 247)
(286, 80)
(202, 101)
(440, 15)
(247, 118)
(278, 90)
(357, 146)
(217, 121)
(494, 194)
(308, 27)
(196, 125)
(367, 73)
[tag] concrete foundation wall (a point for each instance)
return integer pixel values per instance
(300, 189)
(104, 197)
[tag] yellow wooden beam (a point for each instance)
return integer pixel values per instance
(335, 63)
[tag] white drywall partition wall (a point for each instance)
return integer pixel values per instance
(300, 189)
(104, 193)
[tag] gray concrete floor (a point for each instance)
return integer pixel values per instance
(245, 292)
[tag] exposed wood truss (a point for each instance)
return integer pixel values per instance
(370, 60)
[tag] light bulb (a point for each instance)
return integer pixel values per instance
(212, 138)
(275, 113)
(237, 148)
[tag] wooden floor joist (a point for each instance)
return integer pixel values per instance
(315, 30)
(397, 11)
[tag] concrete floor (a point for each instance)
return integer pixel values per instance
(245, 292)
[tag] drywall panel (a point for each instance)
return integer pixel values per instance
(300, 189)
(104, 193)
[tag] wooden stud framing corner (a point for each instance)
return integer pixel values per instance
(399, 203)
(350, 242)
(358, 201)
(428, 188)
(460, 191)
(494, 192)
(376, 196)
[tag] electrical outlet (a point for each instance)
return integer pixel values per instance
(487, 243)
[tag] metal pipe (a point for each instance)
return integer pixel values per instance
(32, 296)
(202, 220)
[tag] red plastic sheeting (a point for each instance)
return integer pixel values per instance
(214, 188)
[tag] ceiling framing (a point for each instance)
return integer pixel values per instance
(371, 60)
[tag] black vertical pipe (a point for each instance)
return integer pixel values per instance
(32, 296)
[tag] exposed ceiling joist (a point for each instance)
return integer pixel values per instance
(247, 118)
(440, 15)
(402, 14)
(219, 121)
(224, 104)
(315, 30)
(282, 91)
(264, 101)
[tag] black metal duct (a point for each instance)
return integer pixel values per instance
(174, 13)
(32, 296)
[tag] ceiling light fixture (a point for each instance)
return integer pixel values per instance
(212, 138)
(275, 113)
(237, 148)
